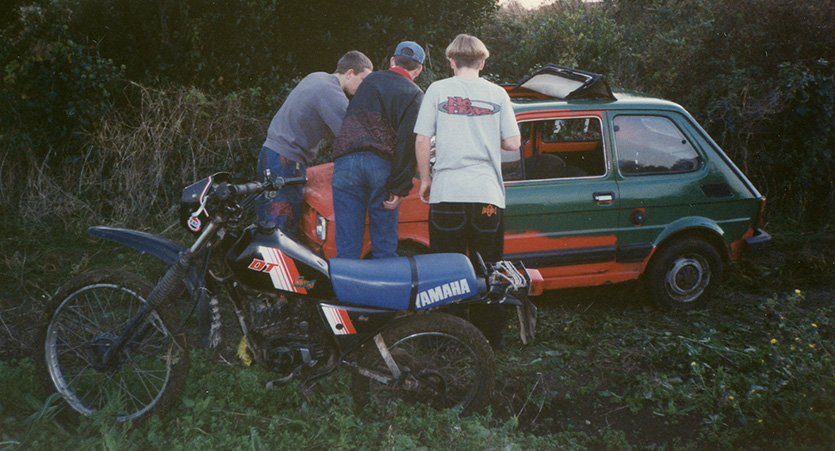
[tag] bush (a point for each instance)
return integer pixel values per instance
(135, 165)
(754, 73)
(53, 88)
(568, 33)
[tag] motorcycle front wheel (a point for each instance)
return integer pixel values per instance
(444, 361)
(83, 321)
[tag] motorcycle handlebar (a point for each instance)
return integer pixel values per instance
(226, 190)
(291, 181)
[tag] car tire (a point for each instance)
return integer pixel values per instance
(683, 274)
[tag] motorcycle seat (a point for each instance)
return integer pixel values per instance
(404, 283)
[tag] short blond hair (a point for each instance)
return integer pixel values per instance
(467, 51)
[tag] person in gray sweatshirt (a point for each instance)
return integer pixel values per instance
(313, 111)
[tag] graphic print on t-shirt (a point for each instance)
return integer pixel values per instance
(466, 107)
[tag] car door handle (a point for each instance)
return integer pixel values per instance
(604, 198)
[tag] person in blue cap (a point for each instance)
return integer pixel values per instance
(374, 155)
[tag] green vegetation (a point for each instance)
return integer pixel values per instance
(83, 80)
(607, 371)
(110, 107)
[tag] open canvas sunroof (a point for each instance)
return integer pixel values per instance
(566, 83)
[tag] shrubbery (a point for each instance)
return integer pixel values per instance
(53, 87)
(754, 73)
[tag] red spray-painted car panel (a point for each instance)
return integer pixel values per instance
(601, 191)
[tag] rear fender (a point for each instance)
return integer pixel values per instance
(695, 226)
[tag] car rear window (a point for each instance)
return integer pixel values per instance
(648, 145)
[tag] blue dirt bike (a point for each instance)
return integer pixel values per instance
(110, 334)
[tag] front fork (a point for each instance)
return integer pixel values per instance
(163, 292)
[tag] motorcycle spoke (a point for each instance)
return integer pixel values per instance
(66, 347)
(90, 318)
(73, 377)
(146, 379)
(91, 329)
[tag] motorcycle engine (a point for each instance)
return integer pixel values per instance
(280, 326)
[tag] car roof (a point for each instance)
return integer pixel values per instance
(554, 87)
(624, 100)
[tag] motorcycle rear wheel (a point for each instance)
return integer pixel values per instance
(83, 321)
(446, 363)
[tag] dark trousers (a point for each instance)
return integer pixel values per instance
(472, 228)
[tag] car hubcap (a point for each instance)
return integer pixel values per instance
(688, 278)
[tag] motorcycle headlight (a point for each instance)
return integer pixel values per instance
(321, 227)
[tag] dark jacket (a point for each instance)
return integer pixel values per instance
(381, 118)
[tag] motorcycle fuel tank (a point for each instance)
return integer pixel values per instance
(266, 259)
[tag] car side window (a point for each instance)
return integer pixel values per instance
(648, 145)
(563, 148)
(571, 130)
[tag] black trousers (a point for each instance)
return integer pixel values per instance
(470, 228)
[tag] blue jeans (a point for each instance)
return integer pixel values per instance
(282, 208)
(359, 188)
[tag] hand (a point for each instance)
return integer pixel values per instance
(392, 202)
(425, 188)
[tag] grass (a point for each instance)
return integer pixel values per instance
(604, 376)
(606, 371)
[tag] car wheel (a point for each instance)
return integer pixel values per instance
(683, 274)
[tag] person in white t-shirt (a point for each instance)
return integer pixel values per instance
(472, 120)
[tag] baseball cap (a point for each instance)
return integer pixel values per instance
(416, 50)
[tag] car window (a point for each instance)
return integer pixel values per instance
(556, 149)
(525, 131)
(512, 165)
(652, 145)
(573, 129)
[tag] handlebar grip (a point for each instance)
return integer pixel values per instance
(246, 188)
(301, 180)
(226, 190)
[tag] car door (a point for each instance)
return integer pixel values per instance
(663, 179)
(562, 201)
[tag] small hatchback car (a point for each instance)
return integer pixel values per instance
(606, 188)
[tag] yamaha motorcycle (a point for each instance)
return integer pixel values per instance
(111, 335)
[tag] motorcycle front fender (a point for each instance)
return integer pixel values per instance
(166, 250)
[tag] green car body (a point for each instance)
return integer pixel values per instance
(603, 191)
